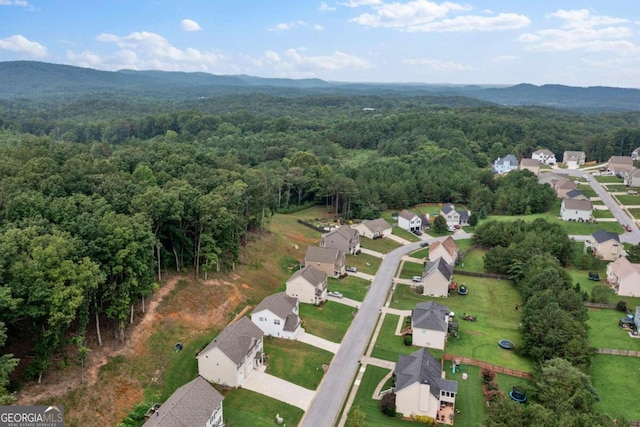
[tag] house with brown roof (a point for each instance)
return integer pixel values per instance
(544, 156)
(548, 177)
(437, 278)
(196, 403)
(624, 276)
(531, 165)
(421, 387)
(604, 245)
(632, 178)
(409, 221)
(345, 238)
(573, 159)
(233, 355)
(430, 325)
(618, 165)
(446, 249)
(374, 229)
(277, 316)
(330, 260)
(562, 186)
(309, 285)
(576, 210)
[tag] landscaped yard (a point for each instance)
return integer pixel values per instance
(635, 212)
(627, 199)
(404, 234)
(615, 378)
(472, 261)
(410, 269)
(507, 382)
(295, 361)
(330, 321)
(470, 399)
(588, 191)
(389, 346)
(602, 213)
(421, 253)
(351, 287)
(579, 228)
(379, 245)
(370, 407)
(247, 408)
(608, 179)
(365, 263)
(604, 331)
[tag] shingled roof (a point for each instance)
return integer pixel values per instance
(603, 235)
(421, 367)
(578, 205)
(344, 231)
(440, 265)
(318, 254)
(430, 315)
(312, 275)
(448, 244)
(377, 225)
(236, 340)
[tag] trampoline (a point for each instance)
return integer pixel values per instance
(462, 290)
(506, 344)
(519, 394)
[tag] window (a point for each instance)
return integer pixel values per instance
(276, 321)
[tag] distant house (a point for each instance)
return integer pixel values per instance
(446, 249)
(531, 165)
(550, 177)
(430, 324)
(632, 178)
(505, 164)
(374, 229)
(232, 355)
(330, 260)
(409, 221)
(563, 186)
(277, 316)
(576, 210)
(437, 278)
(309, 285)
(624, 276)
(619, 165)
(196, 403)
(544, 156)
(635, 154)
(574, 159)
(636, 319)
(421, 389)
(455, 217)
(345, 238)
(576, 195)
(605, 245)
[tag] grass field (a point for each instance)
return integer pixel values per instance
(602, 213)
(379, 245)
(296, 362)
(507, 382)
(330, 321)
(421, 253)
(389, 346)
(351, 287)
(579, 228)
(404, 234)
(473, 261)
(410, 269)
(246, 408)
(608, 179)
(370, 407)
(626, 199)
(588, 191)
(365, 263)
(614, 377)
(604, 331)
(470, 399)
(635, 212)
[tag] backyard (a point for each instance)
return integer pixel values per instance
(614, 377)
(296, 362)
(330, 321)
(604, 331)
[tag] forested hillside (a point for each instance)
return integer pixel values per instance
(98, 197)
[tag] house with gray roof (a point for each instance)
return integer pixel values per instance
(330, 260)
(345, 238)
(196, 403)
(421, 387)
(277, 316)
(309, 285)
(455, 217)
(374, 229)
(531, 165)
(430, 325)
(619, 165)
(544, 156)
(409, 221)
(573, 159)
(604, 245)
(233, 355)
(437, 278)
(576, 210)
(576, 195)
(505, 164)
(632, 178)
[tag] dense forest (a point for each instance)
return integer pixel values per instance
(100, 196)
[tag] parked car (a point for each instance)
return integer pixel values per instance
(335, 294)
(417, 279)
(417, 232)
(352, 269)
(424, 244)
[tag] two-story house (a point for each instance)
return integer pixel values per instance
(574, 159)
(505, 164)
(345, 238)
(576, 210)
(446, 249)
(277, 316)
(605, 245)
(624, 276)
(430, 325)
(437, 278)
(530, 165)
(309, 285)
(374, 229)
(632, 177)
(544, 156)
(455, 217)
(409, 221)
(329, 260)
(619, 165)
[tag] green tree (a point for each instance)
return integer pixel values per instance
(439, 224)
(356, 418)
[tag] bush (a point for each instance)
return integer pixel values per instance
(600, 293)
(388, 404)
(488, 376)
(621, 306)
(419, 289)
(408, 340)
(424, 419)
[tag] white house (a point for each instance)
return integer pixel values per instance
(232, 355)
(505, 164)
(196, 403)
(576, 210)
(632, 178)
(421, 389)
(624, 276)
(446, 249)
(437, 278)
(277, 316)
(453, 216)
(374, 229)
(635, 154)
(430, 324)
(308, 285)
(409, 221)
(619, 165)
(573, 159)
(544, 156)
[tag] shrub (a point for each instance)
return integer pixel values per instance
(408, 340)
(388, 404)
(424, 419)
(621, 306)
(600, 293)
(488, 376)
(419, 289)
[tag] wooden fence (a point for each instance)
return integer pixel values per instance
(599, 305)
(616, 352)
(480, 364)
(476, 274)
(315, 227)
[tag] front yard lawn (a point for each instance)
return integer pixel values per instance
(609, 179)
(627, 199)
(365, 263)
(330, 321)
(604, 331)
(296, 362)
(602, 213)
(389, 346)
(404, 234)
(379, 245)
(351, 287)
(410, 269)
(635, 212)
(588, 191)
(614, 378)
(370, 407)
(421, 253)
(247, 408)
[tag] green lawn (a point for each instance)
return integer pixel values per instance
(470, 399)
(404, 234)
(472, 261)
(421, 253)
(588, 191)
(493, 302)
(246, 408)
(615, 378)
(296, 362)
(410, 269)
(602, 213)
(604, 331)
(370, 407)
(379, 245)
(464, 244)
(389, 346)
(626, 199)
(330, 321)
(507, 382)
(609, 179)
(351, 287)
(635, 212)
(579, 228)
(365, 263)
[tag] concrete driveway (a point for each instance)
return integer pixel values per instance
(279, 389)
(345, 301)
(316, 341)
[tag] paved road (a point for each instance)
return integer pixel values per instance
(325, 408)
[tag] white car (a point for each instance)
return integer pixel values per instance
(335, 294)
(417, 279)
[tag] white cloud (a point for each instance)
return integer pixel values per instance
(437, 64)
(326, 8)
(85, 59)
(284, 26)
(504, 58)
(358, 3)
(19, 43)
(189, 25)
(294, 63)
(21, 3)
(402, 15)
(318, 27)
(503, 21)
(582, 18)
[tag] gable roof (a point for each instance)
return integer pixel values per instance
(623, 268)
(532, 163)
(430, 315)
(190, 405)
(236, 340)
(566, 184)
(634, 172)
(312, 275)
(408, 215)
(279, 304)
(318, 254)
(421, 367)
(376, 225)
(448, 244)
(621, 160)
(603, 235)
(573, 155)
(509, 158)
(343, 231)
(578, 205)
(544, 151)
(440, 265)
(574, 193)
(447, 208)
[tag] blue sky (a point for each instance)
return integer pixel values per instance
(578, 43)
